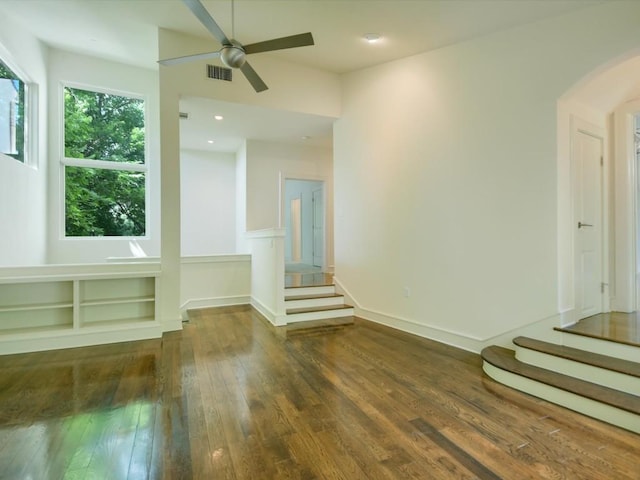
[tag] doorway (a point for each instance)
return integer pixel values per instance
(304, 213)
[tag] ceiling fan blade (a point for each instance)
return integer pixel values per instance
(207, 20)
(254, 79)
(300, 40)
(189, 58)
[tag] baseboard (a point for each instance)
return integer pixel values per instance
(275, 319)
(212, 302)
(539, 328)
(342, 290)
(437, 334)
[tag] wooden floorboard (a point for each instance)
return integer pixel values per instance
(612, 326)
(230, 398)
(295, 280)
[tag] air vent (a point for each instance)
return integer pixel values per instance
(184, 115)
(219, 73)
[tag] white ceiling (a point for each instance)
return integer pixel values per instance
(126, 31)
(246, 121)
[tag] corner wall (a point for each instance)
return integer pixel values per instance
(241, 199)
(207, 202)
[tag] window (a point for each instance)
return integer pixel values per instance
(104, 164)
(12, 113)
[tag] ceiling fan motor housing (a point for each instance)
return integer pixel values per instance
(233, 56)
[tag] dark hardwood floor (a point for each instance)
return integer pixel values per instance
(230, 398)
(307, 279)
(614, 326)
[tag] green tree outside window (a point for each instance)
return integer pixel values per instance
(105, 171)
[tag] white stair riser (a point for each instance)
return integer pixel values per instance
(591, 408)
(314, 302)
(603, 347)
(321, 290)
(319, 315)
(588, 373)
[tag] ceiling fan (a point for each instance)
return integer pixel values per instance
(233, 53)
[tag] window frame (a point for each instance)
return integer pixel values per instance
(103, 164)
(30, 145)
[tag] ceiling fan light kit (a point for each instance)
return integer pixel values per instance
(233, 54)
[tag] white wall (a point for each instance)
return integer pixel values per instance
(91, 72)
(215, 280)
(207, 202)
(241, 199)
(267, 273)
(302, 189)
(23, 187)
(445, 176)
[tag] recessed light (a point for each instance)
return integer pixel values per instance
(209, 141)
(305, 137)
(218, 117)
(372, 37)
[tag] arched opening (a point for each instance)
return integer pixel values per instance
(602, 106)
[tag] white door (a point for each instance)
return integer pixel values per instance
(587, 157)
(318, 228)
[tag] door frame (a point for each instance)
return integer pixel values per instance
(626, 295)
(313, 226)
(580, 126)
(282, 180)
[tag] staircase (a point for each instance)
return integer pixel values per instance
(315, 301)
(595, 376)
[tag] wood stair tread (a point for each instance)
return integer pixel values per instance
(504, 359)
(319, 326)
(313, 296)
(593, 335)
(292, 311)
(324, 284)
(588, 358)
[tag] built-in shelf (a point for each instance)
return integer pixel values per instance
(51, 309)
(35, 306)
(121, 323)
(117, 301)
